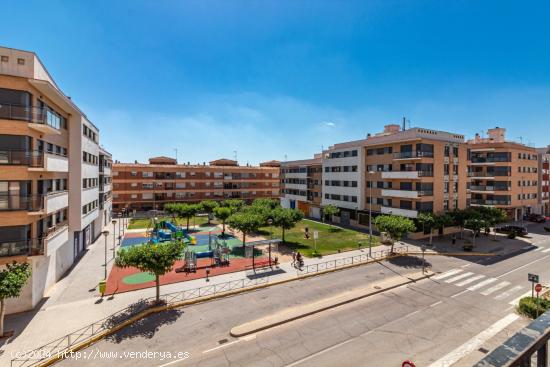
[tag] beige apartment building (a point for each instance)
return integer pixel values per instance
(301, 185)
(504, 174)
(544, 180)
(48, 175)
(143, 187)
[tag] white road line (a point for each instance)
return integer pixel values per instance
(545, 251)
(482, 284)
(523, 266)
(515, 301)
(509, 292)
(469, 280)
(465, 265)
(435, 304)
(538, 248)
(459, 293)
(222, 346)
(495, 288)
(447, 274)
(474, 343)
(458, 277)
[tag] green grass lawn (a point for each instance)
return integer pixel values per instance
(331, 239)
(139, 223)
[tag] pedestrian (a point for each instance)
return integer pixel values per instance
(293, 258)
(453, 238)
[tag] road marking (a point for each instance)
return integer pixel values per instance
(465, 265)
(495, 288)
(435, 304)
(458, 277)
(538, 248)
(475, 342)
(509, 292)
(515, 301)
(545, 251)
(175, 361)
(447, 274)
(482, 284)
(459, 293)
(469, 280)
(244, 338)
(523, 266)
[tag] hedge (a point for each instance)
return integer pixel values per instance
(528, 306)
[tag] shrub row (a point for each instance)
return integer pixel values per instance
(530, 307)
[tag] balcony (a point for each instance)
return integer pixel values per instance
(489, 175)
(30, 158)
(489, 160)
(43, 120)
(398, 211)
(55, 201)
(56, 237)
(406, 175)
(25, 247)
(482, 202)
(30, 203)
(413, 155)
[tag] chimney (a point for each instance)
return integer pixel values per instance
(391, 129)
(404, 124)
(497, 134)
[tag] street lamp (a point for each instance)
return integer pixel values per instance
(522, 182)
(119, 220)
(270, 222)
(114, 239)
(370, 213)
(123, 221)
(105, 234)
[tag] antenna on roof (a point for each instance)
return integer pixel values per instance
(285, 157)
(409, 123)
(404, 123)
(520, 139)
(235, 155)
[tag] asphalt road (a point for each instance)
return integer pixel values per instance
(453, 319)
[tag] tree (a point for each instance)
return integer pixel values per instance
(475, 224)
(234, 204)
(171, 209)
(266, 202)
(208, 207)
(157, 259)
(395, 226)
(459, 217)
(12, 280)
(246, 223)
(443, 220)
(492, 216)
(222, 213)
(330, 210)
(427, 221)
(187, 211)
(286, 219)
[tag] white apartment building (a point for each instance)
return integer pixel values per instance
(49, 175)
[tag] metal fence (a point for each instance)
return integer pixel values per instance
(351, 260)
(63, 344)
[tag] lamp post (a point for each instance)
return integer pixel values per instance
(114, 235)
(119, 220)
(105, 234)
(123, 219)
(522, 182)
(370, 214)
(270, 222)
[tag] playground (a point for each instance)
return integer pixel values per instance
(207, 253)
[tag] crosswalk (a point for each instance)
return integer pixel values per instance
(487, 286)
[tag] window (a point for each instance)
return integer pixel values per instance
(5, 58)
(20, 61)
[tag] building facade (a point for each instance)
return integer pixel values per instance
(301, 185)
(503, 174)
(43, 134)
(144, 187)
(544, 181)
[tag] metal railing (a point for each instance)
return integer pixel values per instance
(413, 154)
(29, 247)
(31, 203)
(35, 115)
(490, 202)
(31, 158)
(63, 344)
(528, 344)
(351, 260)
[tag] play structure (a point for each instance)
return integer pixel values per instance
(160, 231)
(217, 251)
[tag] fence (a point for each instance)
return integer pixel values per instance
(351, 260)
(63, 344)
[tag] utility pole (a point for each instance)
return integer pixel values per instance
(370, 214)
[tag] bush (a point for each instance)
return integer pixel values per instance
(512, 235)
(529, 306)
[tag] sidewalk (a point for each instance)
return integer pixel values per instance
(74, 301)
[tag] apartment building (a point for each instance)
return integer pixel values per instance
(105, 189)
(544, 180)
(48, 175)
(504, 174)
(144, 187)
(301, 185)
(398, 171)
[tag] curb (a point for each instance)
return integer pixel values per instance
(453, 253)
(92, 340)
(234, 333)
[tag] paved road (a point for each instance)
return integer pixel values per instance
(452, 319)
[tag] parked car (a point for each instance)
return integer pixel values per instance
(537, 218)
(518, 230)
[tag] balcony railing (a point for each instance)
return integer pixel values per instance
(490, 202)
(489, 174)
(16, 202)
(34, 115)
(31, 158)
(490, 159)
(28, 247)
(413, 154)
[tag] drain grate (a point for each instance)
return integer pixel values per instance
(223, 341)
(483, 350)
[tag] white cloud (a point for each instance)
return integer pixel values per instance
(329, 123)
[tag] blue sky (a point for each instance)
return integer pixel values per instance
(270, 79)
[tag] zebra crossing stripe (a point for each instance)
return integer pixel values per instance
(495, 288)
(545, 251)
(538, 248)
(458, 277)
(447, 274)
(515, 301)
(509, 292)
(469, 280)
(482, 284)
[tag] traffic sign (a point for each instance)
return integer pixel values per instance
(315, 235)
(408, 364)
(533, 278)
(538, 288)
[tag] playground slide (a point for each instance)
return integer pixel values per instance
(171, 226)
